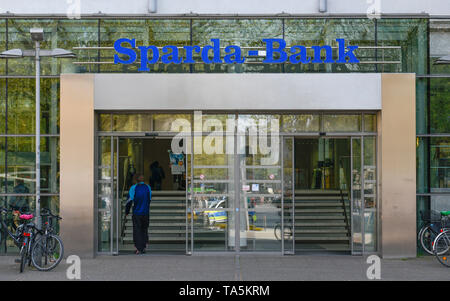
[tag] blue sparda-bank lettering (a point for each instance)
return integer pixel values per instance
(275, 53)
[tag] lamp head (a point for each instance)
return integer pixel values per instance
(445, 60)
(37, 34)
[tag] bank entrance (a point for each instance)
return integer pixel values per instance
(241, 191)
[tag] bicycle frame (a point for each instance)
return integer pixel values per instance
(5, 227)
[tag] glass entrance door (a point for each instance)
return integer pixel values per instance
(363, 195)
(329, 194)
(243, 200)
(235, 198)
(165, 172)
(107, 202)
(211, 199)
(260, 197)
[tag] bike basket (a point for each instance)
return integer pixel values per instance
(446, 223)
(430, 216)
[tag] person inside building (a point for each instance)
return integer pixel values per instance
(157, 175)
(20, 203)
(140, 196)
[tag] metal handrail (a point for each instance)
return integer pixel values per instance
(345, 213)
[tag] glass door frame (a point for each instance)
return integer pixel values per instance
(241, 169)
(235, 206)
(285, 244)
(352, 137)
(115, 209)
(111, 207)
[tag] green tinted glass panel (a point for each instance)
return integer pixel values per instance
(244, 33)
(21, 106)
(2, 165)
(422, 165)
(341, 123)
(78, 33)
(131, 122)
(440, 105)
(422, 86)
(3, 84)
(440, 164)
(163, 122)
(439, 45)
(319, 32)
(21, 165)
(370, 123)
(2, 45)
(301, 123)
(104, 122)
(19, 37)
(146, 32)
(21, 158)
(408, 34)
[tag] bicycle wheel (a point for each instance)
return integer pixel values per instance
(442, 248)
(277, 232)
(287, 232)
(47, 252)
(23, 257)
(427, 238)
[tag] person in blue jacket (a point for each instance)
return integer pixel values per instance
(140, 196)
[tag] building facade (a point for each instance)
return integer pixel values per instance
(348, 156)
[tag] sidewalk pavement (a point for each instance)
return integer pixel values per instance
(229, 268)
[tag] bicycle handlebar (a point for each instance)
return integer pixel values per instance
(47, 212)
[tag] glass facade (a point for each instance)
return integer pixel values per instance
(403, 45)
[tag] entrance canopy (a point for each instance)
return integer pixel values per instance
(245, 91)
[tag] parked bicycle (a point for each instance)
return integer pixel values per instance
(48, 249)
(434, 221)
(288, 226)
(22, 235)
(40, 247)
(441, 245)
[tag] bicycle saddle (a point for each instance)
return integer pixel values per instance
(445, 213)
(26, 216)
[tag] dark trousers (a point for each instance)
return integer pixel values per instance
(140, 231)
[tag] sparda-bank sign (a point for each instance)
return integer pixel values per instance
(275, 53)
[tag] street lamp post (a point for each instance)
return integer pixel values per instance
(37, 35)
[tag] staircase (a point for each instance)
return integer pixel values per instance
(321, 223)
(167, 229)
(322, 220)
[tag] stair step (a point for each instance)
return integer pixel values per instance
(321, 231)
(313, 204)
(319, 217)
(162, 224)
(326, 238)
(319, 211)
(166, 211)
(331, 224)
(130, 231)
(129, 239)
